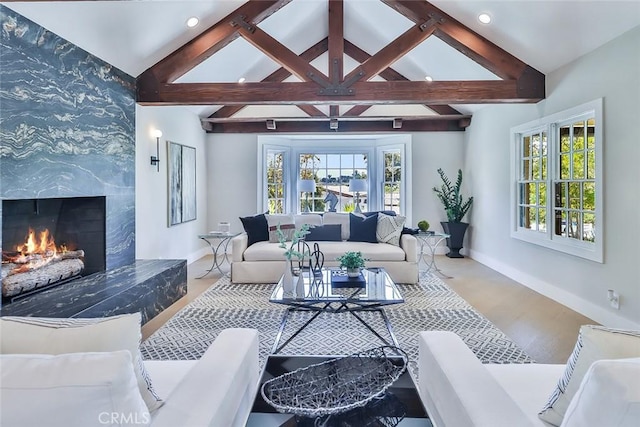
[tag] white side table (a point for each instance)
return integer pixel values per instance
(218, 241)
(429, 242)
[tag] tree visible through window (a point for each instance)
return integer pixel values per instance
(532, 185)
(558, 181)
(392, 180)
(575, 186)
(275, 182)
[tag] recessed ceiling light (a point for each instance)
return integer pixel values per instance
(192, 22)
(485, 18)
(241, 80)
(428, 78)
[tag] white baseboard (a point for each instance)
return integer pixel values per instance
(600, 314)
(194, 256)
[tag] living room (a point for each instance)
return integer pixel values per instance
(227, 171)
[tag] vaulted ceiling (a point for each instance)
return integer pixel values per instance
(517, 81)
(334, 65)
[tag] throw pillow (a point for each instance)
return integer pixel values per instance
(58, 336)
(608, 396)
(363, 229)
(338, 218)
(375, 213)
(76, 389)
(256, 228)
(325, 233)
(287, 226)
(389, 228)
(594, 343)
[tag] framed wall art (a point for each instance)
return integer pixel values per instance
(182, 183)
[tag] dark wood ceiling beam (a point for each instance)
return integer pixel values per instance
(280, 75)
(463, 39)
(204, 45)
(296, 126)
(281, 54)
(356, 110)
(371, 92)
(392, 52)
(336, 41)
(336, 47)
(311, 110)
(388, 74)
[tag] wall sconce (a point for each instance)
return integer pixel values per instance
(155, 160)
(358, 186)
(307, 186)
(333, 124)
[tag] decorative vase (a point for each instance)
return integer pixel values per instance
(299, 289)
(353, 272)
(288, 283)
(456, 232)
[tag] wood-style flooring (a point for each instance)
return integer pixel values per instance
(545, 329)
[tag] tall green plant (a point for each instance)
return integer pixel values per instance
(451, 198)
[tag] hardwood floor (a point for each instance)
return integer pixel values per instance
(546, 330)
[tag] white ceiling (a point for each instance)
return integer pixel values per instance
(134, 35)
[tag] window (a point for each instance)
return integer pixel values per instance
(557, 173)
(392, 181)
(532, 182)
(332, 163)
(332, 174)
(275, 183)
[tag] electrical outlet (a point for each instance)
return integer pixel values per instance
(614, 299)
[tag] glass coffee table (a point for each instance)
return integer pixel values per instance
(400, 405)
(320, 295)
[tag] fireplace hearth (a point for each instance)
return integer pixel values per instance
(48, 242)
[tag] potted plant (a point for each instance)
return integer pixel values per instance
(456, 208)
(353, 262)
(423, 225)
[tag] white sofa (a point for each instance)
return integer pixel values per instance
(459, 391)
(215, 391)
(264, 262)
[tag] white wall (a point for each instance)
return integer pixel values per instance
(433, 150)
(232, 160)
(154, 238)
(613, 73)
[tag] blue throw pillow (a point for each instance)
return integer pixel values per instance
(256, 228)
(325, 233)
(363, 229)
(375, 213)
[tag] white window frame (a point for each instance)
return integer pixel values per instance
(373, 147)
(263, 194)
(550, 124)
(405, 204)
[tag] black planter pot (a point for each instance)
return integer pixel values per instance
(456, 230)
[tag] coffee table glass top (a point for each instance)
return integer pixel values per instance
(378, 288)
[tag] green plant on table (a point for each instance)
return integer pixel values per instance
(423, 225)
(352, 260)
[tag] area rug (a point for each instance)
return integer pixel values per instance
(429, 305)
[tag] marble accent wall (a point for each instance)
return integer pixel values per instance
(67, 127)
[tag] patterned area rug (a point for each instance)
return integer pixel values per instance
(430, 305)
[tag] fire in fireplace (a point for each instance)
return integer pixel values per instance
(38, 263)
(47, 242)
